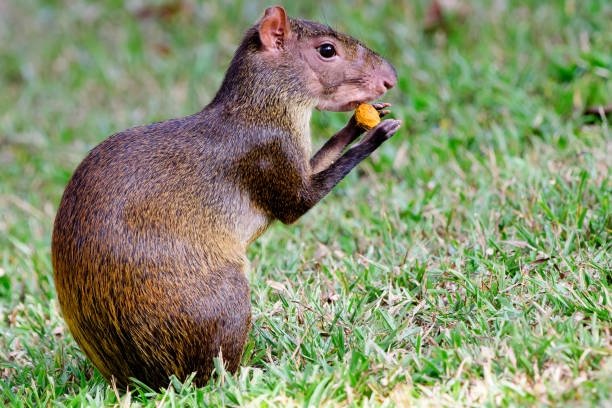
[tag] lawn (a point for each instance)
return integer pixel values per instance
(468, 262)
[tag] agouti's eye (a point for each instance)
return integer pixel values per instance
(326, 50)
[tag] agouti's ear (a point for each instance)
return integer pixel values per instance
(274, 29)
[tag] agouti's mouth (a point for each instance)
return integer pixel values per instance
(346, 107)
(353, 105)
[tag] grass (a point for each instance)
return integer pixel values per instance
(467, 263)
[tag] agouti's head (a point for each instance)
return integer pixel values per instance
(298, 61)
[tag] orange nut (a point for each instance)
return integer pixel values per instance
(366, 116)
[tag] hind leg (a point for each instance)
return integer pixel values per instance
(233, 321)
(168, 326)
(211, 319)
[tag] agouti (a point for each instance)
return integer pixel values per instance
(149, 242)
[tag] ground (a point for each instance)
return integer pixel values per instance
(466, 263)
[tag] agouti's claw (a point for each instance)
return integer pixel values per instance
(381, 105)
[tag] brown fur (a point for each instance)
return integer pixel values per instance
(149, 242)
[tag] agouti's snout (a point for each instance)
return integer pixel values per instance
(388, 76)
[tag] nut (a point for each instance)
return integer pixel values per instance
(366, 116)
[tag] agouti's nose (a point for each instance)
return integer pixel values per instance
(392, 77)
(388, 76)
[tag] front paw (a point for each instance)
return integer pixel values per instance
(382, 112)
(380, 107)
(383, 131)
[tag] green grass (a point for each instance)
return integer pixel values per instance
(467, 263)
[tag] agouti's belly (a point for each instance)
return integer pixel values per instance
(250, 221)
